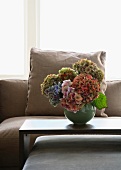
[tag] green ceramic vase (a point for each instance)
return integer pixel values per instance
(82, 116)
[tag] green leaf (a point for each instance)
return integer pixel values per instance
(100, 102)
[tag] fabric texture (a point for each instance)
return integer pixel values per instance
(9, 139)
(73, 152)
(13, 98)
(113, 94)
(43, 63)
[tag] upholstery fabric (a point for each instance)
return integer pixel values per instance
(43, 63)
(9, 139)
(13, 97)
(113, 94)
(73, 152)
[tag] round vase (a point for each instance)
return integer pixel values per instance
(82, 116)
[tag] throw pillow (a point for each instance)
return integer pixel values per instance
(113, 94)
(44, 62)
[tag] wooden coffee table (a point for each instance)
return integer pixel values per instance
(104, 126)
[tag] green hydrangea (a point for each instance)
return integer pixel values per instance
(49, 81)
(67, 73)
(88, 67)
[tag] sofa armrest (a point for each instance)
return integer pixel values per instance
(13, 98)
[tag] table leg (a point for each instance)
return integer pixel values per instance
(24, 143)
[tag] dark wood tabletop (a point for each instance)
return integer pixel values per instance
(110, 125)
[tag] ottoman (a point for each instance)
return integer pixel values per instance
(75, 152)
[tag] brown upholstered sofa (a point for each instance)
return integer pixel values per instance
(14, 108)
(13, 99)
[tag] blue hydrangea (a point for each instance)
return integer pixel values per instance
(53, 93)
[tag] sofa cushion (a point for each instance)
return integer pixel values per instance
(13, 97)
(43, 63)
(113, 94)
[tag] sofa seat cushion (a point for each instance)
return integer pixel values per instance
(75, 152)
(9, 139)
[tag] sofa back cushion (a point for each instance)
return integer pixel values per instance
(43, 63)
(13, 97)
(113, 93)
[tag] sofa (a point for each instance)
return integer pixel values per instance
(22, 99)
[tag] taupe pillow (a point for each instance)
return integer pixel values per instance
(113, 94)
(13, 98)
(43, 63)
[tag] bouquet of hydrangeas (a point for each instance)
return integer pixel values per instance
(75, 87)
